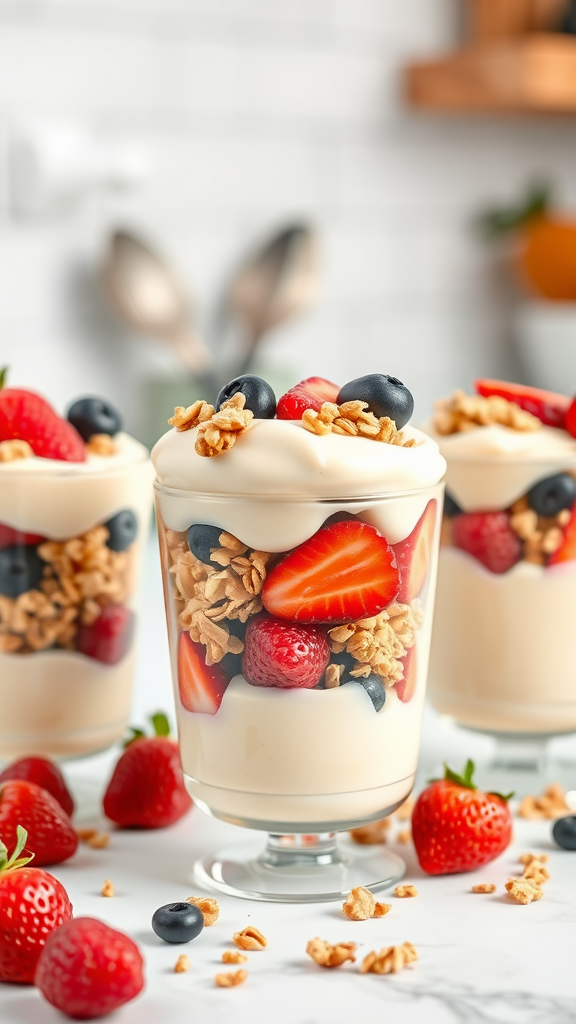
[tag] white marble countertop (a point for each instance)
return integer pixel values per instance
(482, 958)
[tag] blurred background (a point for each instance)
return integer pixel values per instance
(379, 131)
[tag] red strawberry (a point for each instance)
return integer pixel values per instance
(32, 904)
(406, 686)
(50, 834)
(201, 686)
(489, 537)
(570, 418)
(283, 654)
(88, 969)
(8, 536)
(456, 827)
(567, 550)
(147, 789)
(548, 406)
(109, 638)
(44, 773)
(346, 571)
(27, 416)
(414, 554)
(308, 394)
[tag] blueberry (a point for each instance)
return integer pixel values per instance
(386, 396)
(21, 569)
(338, 517)
(553, 494)
(564, 832)
(260, 398)
(451, 507)
(122, 530)
(177, 922)
(202, 538)
(232, 664)
(94, 416)
(375, 690)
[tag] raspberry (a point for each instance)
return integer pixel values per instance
(308, 394)
(283, 654)
(489, 537)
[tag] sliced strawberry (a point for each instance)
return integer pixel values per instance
(548, 406)
(201, 686)
(26, 416)
(346, 571)
(414, 553)
(110, 637)
(8, 537)
(308, 394)
(406, 686)
(567, 550)
(489, 537)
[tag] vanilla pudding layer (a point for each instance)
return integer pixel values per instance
(504, 646)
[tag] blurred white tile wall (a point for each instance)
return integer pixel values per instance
(255, 112)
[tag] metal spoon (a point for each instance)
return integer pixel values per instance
(274, 284)
(148, 295)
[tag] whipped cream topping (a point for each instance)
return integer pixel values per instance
(128, 450)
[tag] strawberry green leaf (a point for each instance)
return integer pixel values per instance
(503, 796)
(160, 723)
(461, 780)
(136, 734)
(3, 376)
(15, 860)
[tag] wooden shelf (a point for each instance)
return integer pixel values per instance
(532, 73)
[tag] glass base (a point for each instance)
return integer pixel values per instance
(298, 869)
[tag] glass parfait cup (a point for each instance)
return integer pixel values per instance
(301, 764)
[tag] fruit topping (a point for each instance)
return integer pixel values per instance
(26, 416)
(8, 536)
(50, 834)
(94, 416)
(414, 554)
(567, 550)
(308, 394)
(570, 419)
(122, 530)
(147, 789)
(44, 773)
(564, 832)
(21, 569)
(202, 540)
(109, 638)
(386, 396)
(88, 969)
(344, 572)
(549, 496)
(405, 687)
(178, 922)
(260, 398)
(456, 827)
(201, 686)
(32, 905)
(451, 507)
(284, 654)
(489, 537)
(375, 690)
(547, 406)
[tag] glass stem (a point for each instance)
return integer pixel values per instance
(316, 850)
(522, 753)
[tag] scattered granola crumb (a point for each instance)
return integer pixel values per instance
(404, 812)
(233, 956)
(523, 890)
(249, 938)
(536, 871)
(404, 836)
(182, 964)
(99, 841)
(327, 955)
(14, 449)
(101, 444)
(484, 887)
(404, 891)
(552, 804)
(85, 834)
(527, 858)
(368, 835)
(208, 907)
(380, 909)
(389, 960)
(230, 979)
(107, 888)
(464, 412)
(359, 904)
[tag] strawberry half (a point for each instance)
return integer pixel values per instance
(8, 537)
(548, 406)
(346, 571)
(28, 417)
(406, 687)
(414, 554)
(567, 550)
(308, 394)
(201, 686)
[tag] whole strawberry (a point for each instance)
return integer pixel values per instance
(43, 773)
(32, 904)
(147, 789)
(28, 417)
(456, 827)
(284, 654)
(88, 969)
(50, 833)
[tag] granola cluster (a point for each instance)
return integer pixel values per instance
(218, 431)
(552, 804)
(101, 444)
(377, 644)
(81, 575)
(389, 960)
(14, 449)
(360, 905)
(327, 955)
(354, 419)
(541, 536)
(528, 888)
(465, 412)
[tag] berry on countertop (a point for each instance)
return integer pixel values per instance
(414, 554)
(457, 827)
(308, 394)
(202, 540)
(386, 396)
(260, 398)
(94, 416)
(88, 969)
(567, 550)
(147, 789)
(547, 406)
(28, 417)
(284, 654)
(43, 773)
(8, 537)
(122, 530)
(50, 832)
(201, 686)
(21, 569)
(553, 494)
(32, 904)
(451, 507)
(489, 537)
(374, 687)
(564, 832)
(109, 638)
(406, 687)
(178, 922)
(344, 572)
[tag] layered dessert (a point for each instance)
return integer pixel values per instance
(75, 502)
(504, 645)
(298, 543)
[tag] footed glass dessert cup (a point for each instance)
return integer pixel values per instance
(299, 632)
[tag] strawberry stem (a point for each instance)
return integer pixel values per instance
(3, 376)
(15, 860)
(160, 723)
(465, 779)
(536, 203)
